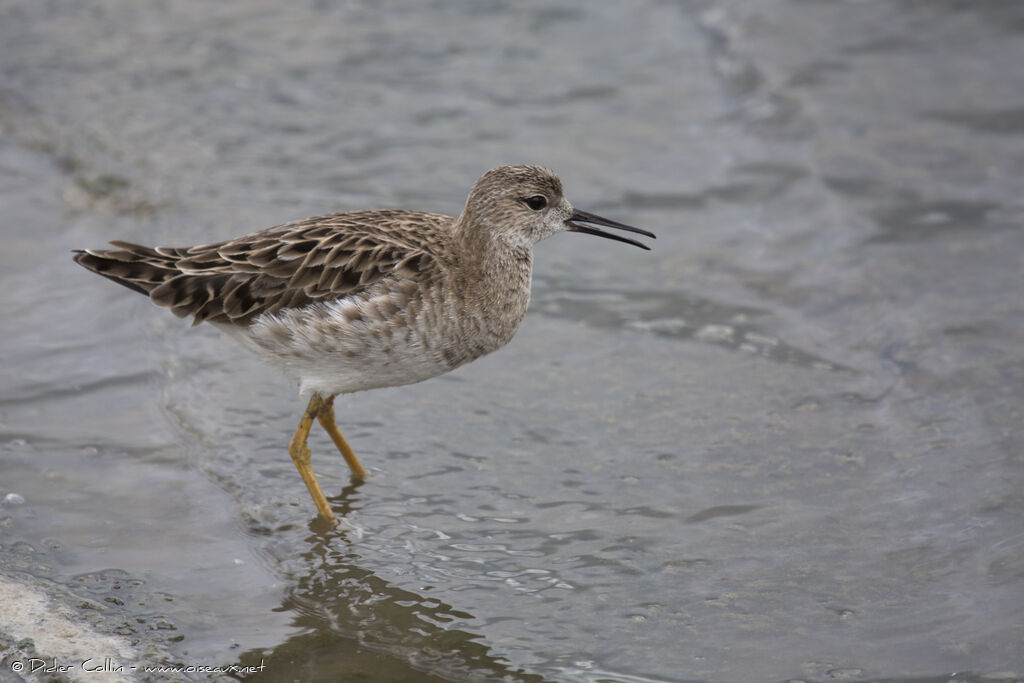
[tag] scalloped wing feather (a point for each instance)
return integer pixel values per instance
(289, 266)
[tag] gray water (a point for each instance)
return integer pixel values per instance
(785, 444)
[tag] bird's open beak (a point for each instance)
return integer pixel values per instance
(578, 217)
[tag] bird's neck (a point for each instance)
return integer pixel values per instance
(494, 276)
(491, 256)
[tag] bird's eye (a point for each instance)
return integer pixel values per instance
(536, 202)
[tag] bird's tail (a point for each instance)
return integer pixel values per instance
(137, 267)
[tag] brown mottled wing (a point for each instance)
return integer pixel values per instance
(292, 265)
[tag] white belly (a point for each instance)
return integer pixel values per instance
(366, 342)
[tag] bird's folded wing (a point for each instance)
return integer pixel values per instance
(292, 265)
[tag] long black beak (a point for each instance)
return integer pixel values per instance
(578, 217)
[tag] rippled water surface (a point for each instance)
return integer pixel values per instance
(785, 444)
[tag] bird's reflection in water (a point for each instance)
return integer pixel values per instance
(356, 626)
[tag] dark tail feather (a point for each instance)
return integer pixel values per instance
(138, 268)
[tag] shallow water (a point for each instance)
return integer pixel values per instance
(787, 443)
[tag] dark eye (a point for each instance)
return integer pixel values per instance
(536, 202)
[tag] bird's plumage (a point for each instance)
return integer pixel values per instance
(365, 299)
(318, 259)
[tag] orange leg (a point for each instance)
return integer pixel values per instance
(325, 414)
(299, 450)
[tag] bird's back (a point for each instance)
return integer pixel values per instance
(318, 259)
